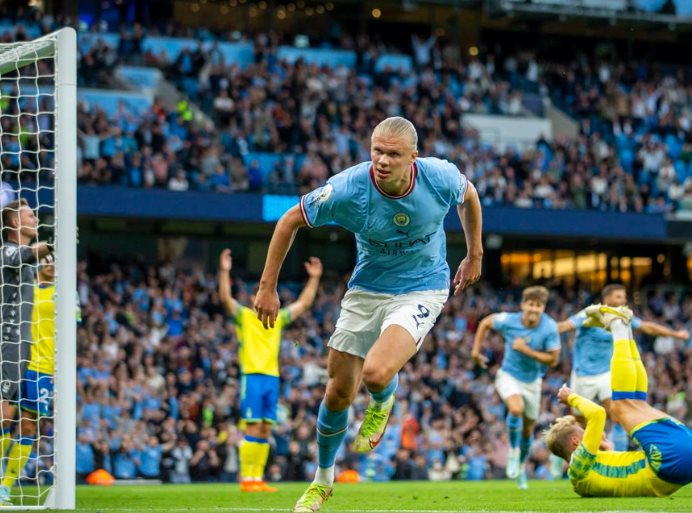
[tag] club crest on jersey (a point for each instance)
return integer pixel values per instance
(401, 219)
(322, 195)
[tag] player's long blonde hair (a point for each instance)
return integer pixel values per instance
(397, 127)
(558, 434)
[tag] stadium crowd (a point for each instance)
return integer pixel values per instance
(632, 152)
(157, 364)
(158, 382)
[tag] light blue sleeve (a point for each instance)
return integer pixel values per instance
(552, 337)
(636, 322)
(337, 202)
(578, 319)
(499, 321)
(459, 183)
(463, 186)
(317, 206)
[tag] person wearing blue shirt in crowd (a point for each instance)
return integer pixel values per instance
(396, 206)
(532, 343)
(85, 458)
(150, 459)
(126, 460)
(593, 350)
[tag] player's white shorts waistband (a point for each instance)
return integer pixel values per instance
(365, 315)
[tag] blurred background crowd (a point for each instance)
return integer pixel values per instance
(158, 381)
(158, 358)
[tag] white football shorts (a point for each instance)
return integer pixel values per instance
(365, 315)
(595, 388)
(507, 385)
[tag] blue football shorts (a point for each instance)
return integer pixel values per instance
(259, 397)
(668, 447)
(36, 393)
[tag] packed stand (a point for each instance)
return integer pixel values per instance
(158, 382)
(632, 153)
(643, 113)
(316, 121)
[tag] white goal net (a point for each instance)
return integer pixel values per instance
(38, 144)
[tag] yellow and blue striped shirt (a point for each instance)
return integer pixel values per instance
(596, 473)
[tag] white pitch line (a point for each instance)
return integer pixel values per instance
(332, 510)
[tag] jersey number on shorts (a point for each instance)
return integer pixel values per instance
(44, 396)
(424, 313)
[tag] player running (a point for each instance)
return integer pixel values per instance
(259, 365)
(661, 466)
(396, 206)
(532, 343)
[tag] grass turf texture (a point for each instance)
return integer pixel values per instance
(401, 497)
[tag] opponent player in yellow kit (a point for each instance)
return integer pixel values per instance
(259, 365)
(664, 462)
(36, 395)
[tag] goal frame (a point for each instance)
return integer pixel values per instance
(62, 44)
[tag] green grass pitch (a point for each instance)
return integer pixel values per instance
(396, 497)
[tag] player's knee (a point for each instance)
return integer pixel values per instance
(265, 430)
(376, 379)
(28, 429)
(254, 429)
(516, 409)
(338, 398)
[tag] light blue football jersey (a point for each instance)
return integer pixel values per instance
(544, 337)
(401, 244)
(593, 347)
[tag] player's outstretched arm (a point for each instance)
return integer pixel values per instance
(595, 417)
(565, 326)
(658, 330)
(225, 266)
(307, 297)
(478, 340)
(267, 299)
(471, 217)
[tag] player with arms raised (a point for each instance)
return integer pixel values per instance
(664, 462)
(396, 206)
(532, 343)
(259, 365)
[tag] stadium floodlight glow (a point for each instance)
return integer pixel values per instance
(38, 130)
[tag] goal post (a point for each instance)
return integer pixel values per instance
(38, 135)
(66, 267)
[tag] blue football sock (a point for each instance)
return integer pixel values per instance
(619, 438)
(331, 430)
(386, 393)
(525, 447)
(514, 427)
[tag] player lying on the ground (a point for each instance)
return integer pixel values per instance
(664, 462)
(593, 350)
